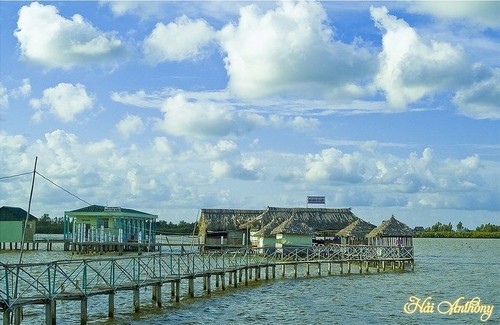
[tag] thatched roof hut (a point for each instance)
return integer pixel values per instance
(391, 233)
(317, 219)
(293, 226)
(356, 232)
(224, 219)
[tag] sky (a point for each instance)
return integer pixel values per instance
(389, 108)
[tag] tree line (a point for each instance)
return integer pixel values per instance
(446, 230)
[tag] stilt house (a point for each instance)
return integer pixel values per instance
(355, 233)
(391, 233)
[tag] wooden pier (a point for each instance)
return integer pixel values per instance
(47, 283)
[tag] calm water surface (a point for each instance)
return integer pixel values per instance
(446, 269)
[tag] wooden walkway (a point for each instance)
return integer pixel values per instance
(47, 283)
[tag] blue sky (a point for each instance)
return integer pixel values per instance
(169, 107)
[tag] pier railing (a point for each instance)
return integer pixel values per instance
(40, 283)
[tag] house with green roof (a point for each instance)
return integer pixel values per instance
(97, 223)
(12, 220)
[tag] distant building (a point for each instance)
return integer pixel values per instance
(419, 229)
(96, 223)
(12, 221)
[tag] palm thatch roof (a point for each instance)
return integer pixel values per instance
(224, 219)
(293, 226)
(391, 228)
(358, 229)
(281, 220)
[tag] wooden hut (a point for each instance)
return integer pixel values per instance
(293, 233)
(274, 220)
(391, 233)
(12, 220)
(355, 233)
(223, 226)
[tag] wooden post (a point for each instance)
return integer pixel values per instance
(18, 315)
(137, 307)
(329, 268)
(341, 268)
(223, 281)
(267, 272)
(283, 270)
(217, 277)
(191, 287)
(157, 288)
(240, 275)
(295, 270)
(83, 311)
(246, 276)
(208, 283)
(177, 289)
(235, 282)
(319, 268)
(6, 317)
(172, 290)
(307, 269)
(111, 305)
(349, 267)
(274, 271)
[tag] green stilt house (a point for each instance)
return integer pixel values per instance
(96, 223)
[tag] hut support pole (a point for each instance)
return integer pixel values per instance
(18, 315)
(209, 290)
(235, 278)
(319, 268)
(307, 269)
(348, 267)
(273, 271)
(217, 280)
(267, 272)
(172, 289)
(191, 287)
(341, 268)
(157, 288)
(137, 307)
(177, 290)
(6, 317)
(223, 281)
(83, 311)
(246, 276)
(111, 305)
(329, 268)
(295, 270)
(283, 270)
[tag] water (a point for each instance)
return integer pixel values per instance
(446, 269)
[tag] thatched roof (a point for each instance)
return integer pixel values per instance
(225, 219)
(293, 226)
(391, 228)
(358, 229)
(280, 220)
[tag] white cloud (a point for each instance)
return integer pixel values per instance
(289, 51)
(130, 125)
(183, 39)
(23, 90)
(481, 13)
(49, 39)
(481, 100)
(411, 68)
(4, 96)
(334, 166)
(65, 101)
(198, 119)
(144, 9)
